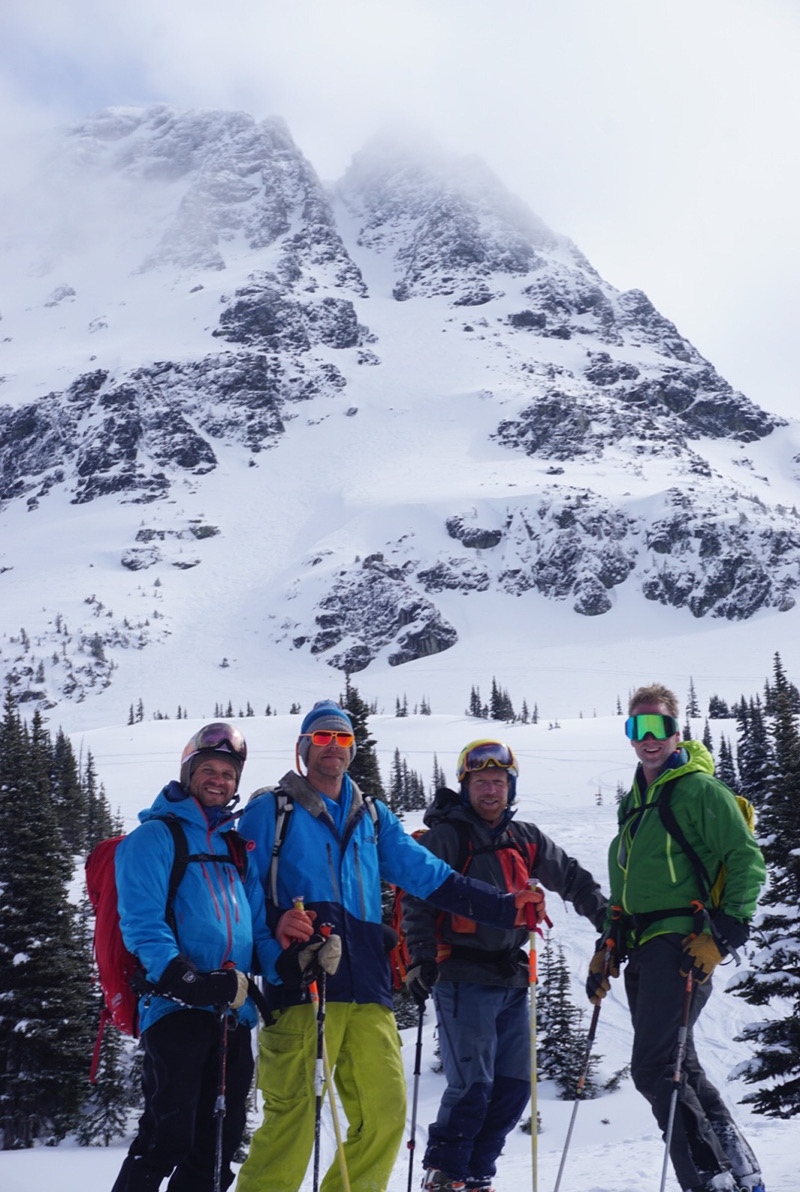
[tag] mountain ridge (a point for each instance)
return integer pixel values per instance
(498, 419)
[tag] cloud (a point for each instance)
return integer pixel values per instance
(660, 136)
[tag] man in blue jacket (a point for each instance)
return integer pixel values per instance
(334, 847)
(196, 957)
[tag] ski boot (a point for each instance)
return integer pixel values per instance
(437, 1181)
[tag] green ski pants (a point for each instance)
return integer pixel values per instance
(364, 1052)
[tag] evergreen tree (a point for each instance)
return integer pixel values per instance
(365, 770)
(68, 795)
(775, 976)
(753, 751)
(105, 1112)
(707, 739)
(725, 768)
(44, 960)
(692, 706)
(718, 709)
(561, 1043)
(439, 778)
(397, 786)
(99, 821)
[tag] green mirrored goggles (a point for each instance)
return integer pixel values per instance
(650, 724)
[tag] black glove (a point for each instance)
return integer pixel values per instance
(181, 980)
(302, 963)
(729, 933)
(420, 980)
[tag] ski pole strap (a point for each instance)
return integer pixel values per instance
(260, 1002)
(104, 1017)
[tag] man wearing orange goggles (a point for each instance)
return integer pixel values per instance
(331, 853)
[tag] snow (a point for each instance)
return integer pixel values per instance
(568, 780)
(419, 449)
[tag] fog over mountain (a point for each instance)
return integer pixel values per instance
(253, 422)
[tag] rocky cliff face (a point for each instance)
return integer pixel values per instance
(246, 298)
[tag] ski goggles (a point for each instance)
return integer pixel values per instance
(324, 736)
(222, 738)
(650, 724)
(483, 754)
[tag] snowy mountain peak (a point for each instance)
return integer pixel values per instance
(400, 403)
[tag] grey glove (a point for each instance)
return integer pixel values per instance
(301, 963)
(420, 980)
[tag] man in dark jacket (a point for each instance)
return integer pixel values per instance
(676, 808)
(197, 959)
(479, 975)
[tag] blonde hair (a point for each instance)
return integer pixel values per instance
(656, 693)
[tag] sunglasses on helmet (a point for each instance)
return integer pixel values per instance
(650, 724)
(324, 736)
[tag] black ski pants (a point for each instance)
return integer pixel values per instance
(656, 992)
(180, 1078)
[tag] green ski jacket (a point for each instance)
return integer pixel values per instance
(649, 872)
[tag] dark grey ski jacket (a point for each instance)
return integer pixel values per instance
(505, 857)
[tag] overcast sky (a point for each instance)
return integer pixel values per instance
(662, 136)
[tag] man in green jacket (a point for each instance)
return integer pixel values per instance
(678, 827)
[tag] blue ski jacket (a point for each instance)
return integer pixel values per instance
(219, 919)
(337, 871)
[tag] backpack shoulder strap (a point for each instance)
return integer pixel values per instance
(369, 803)
(179, 864)
(284, 805)
(674, 829)
(237, 847)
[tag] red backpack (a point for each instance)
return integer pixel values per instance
(122, 978)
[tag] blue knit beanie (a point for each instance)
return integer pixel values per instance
(326, 714)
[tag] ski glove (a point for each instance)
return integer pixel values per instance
(420, 980)
(701, 956)
(182, 981)
(301, 963)
(600, 970)
(533, 897)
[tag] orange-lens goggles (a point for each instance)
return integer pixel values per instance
(324, 736)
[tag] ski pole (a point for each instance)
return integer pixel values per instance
(609, 952)
(219, 1107)
(676, 1074)
(323, 1076)
(533, 931)
(412, 1141)
(337, 1130)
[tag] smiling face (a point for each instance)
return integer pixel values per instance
(213, 781)
(487, 791)
(652, 753)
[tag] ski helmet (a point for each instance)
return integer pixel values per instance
(219, 738)
(480, 755)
